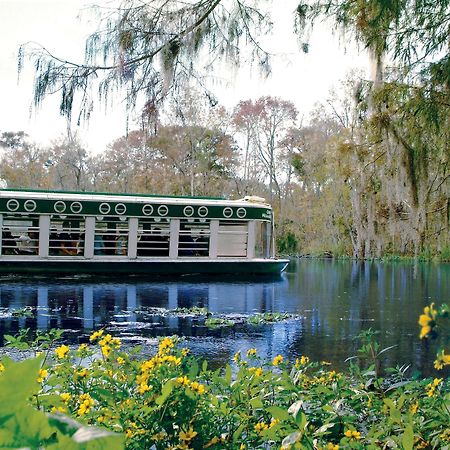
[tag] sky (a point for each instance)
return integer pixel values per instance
(63, 25)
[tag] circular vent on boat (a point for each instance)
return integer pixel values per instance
(120, 209)
(147, 210)
(76, 207)
(241, 213)
(203, 211)
(29, 205)
(227, 212)
(59, 207)
(163, 210)
(104, 208)
(12, 205)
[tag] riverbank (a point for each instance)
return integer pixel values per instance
(172, 400)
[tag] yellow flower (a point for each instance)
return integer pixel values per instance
(165, 345)
(331, 446)
(95, 335)
(197, 387)
(120, 361)
(58, 409)
(183, 381)
(251, 352)
(184, 352)
(427, 320)
(82, 373)
(352, 434)
(441, 360)
(106, 350)
(258, 372)
(215, 440)
(86, 403)
(302, 361)
(107, 339)
(2, 367)
(62, 351)
(116, 342)
(242, 447)
(414, 407)
(261, 426)
(237, 356)
(143, 388)
(273, 423)
(43, 374)
(65, 397)
(188, 435)
(277, 360)
(82, 349)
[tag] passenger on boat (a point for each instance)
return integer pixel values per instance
(121, 243)
(9, 244)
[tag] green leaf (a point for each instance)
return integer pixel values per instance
(193, 370)
(228, 374)
(17, 383)
(256, 403)
(408, 438)
(165, 392)
(278, 413)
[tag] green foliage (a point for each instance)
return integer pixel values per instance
(216, 322)
(287, 243)
(270, 317)
(22, 425)
(171, 400)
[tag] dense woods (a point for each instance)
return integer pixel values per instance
(366, 174)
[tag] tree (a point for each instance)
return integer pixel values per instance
(149, 48)
(23, 163)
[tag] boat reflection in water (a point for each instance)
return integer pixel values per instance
(332, 300)
(138, 310)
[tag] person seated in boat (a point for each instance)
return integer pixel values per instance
(99, 245)
(9, 244)
(67, 244)
(121, 243)
(28, 244)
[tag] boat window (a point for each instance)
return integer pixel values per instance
(111, 237)
(66, 237)
(263, 240)
(153, 237)
(232, 239)
(20, 235)
(194, 237)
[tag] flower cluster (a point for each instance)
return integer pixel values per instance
(427, 321)
(431, 387)
(442, 360)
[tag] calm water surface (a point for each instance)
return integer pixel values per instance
(333, 301)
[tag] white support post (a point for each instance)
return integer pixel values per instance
(133, 227)
(44, 235)
(251, 239)
(89, 236)
(174, 238)
(213, 238)
(1, 232)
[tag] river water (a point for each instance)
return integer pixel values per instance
(331, 302)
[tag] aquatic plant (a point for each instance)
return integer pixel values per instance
(269, 317)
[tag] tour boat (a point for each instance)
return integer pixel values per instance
(58, 232)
